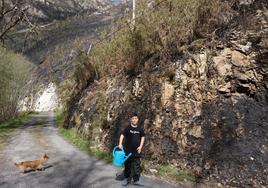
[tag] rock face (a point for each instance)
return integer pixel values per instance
(205, 116)
(49, 10)
(45, 100)
(48, 100)
(206, 111)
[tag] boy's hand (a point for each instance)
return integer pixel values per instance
(139, 149)
(120, 146)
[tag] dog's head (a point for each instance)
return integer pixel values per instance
(45, 157)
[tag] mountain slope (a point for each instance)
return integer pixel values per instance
(200, 90)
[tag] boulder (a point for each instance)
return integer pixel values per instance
(222, 66)
(241, 76)
(196, 131)
(246, 49)
(239, 59)
(225, 88)
(167, 93)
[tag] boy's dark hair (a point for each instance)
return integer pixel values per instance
(134, 115)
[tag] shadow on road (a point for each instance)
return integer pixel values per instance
(32, 170)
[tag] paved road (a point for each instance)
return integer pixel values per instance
(67, 167)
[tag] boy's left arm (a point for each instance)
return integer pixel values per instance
(141, 144)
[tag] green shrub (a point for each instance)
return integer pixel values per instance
(84, 72)
(126, 48)
(14, 75)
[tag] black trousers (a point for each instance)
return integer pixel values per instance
(133, 168)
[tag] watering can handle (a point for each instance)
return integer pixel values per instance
(116, 147)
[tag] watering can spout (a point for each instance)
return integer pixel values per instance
(126, 157)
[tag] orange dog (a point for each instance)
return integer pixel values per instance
(33, 165)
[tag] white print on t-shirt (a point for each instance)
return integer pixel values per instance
(134, 132)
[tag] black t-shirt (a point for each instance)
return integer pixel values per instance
(132, 136)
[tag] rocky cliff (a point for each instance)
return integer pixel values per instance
(205, 111)
(45, 11)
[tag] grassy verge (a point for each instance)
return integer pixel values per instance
(7, 127)
(175, 174)
(80, 142)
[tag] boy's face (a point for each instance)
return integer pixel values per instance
(134, 120)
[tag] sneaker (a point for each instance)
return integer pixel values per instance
(125, 182)
(120, 177)
(139, 183)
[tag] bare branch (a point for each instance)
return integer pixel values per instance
(11, 14)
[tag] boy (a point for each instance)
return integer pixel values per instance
(134, 137)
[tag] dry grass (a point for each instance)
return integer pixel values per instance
(162, 30)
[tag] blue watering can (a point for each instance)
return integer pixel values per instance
(119, 156)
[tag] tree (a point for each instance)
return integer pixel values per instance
(14, 75)
(12, 13)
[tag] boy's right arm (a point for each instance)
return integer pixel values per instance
(120, 145)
